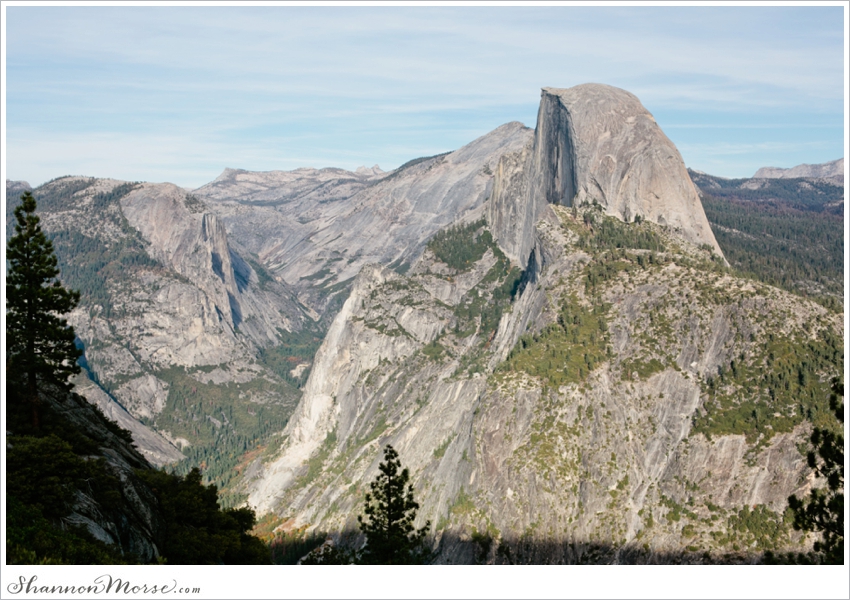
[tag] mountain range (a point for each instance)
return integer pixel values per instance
(542, 323)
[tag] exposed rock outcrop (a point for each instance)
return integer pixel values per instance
(578, 399)
(166, 298)
(614, 446)
(154, 447)
(316, 229)
(370, 376)
(194, 243)
(132, 520)
(595, 143)
(613, 459)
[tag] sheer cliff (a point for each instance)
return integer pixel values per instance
(541, 323)
(316, 229)
(169, 310)
(618, 400)
(74, 490)
(595, 144)
(593, 384)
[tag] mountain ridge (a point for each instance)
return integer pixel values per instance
(511, 316)
(373, 387)
(831, 169)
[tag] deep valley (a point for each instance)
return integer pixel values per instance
(582, 351)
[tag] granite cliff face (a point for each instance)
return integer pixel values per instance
(193, 243)
(316, 229)
(134, 523)
(193, 293)
(595, 143)
(168, 306)
(111, 501)
(582, 410)
(148, 442)
(541, 323)
(587, 418)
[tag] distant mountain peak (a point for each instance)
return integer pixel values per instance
(828, 169)
(375, 170)
(17, 185)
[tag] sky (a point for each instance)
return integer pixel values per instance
(178, 94)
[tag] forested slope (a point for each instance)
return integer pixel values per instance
(785, 232)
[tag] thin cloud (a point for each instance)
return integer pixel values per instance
(361, 80)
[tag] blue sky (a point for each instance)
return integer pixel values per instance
(179, 93)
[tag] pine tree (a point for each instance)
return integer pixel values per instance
(823, 511)
(390, 511)
(40, 344)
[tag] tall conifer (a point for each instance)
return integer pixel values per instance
(390, 511)
(40, 344)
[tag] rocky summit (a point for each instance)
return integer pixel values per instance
(541, 323)
(595, 144)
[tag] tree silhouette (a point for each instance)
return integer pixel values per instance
(823, 511)
(40, 344)
(390, 511)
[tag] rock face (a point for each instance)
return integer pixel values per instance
(132, 522)
(157, 450)
(581, 411)
(194, 243)
(218, 277)
(519, 449)
(566, 382)
(595, 143)
(316, 229)
(340, 401)
(833, 168)
(168, 303)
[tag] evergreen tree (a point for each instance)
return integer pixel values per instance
(823, 511)
(40, 344)
(390, 511)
